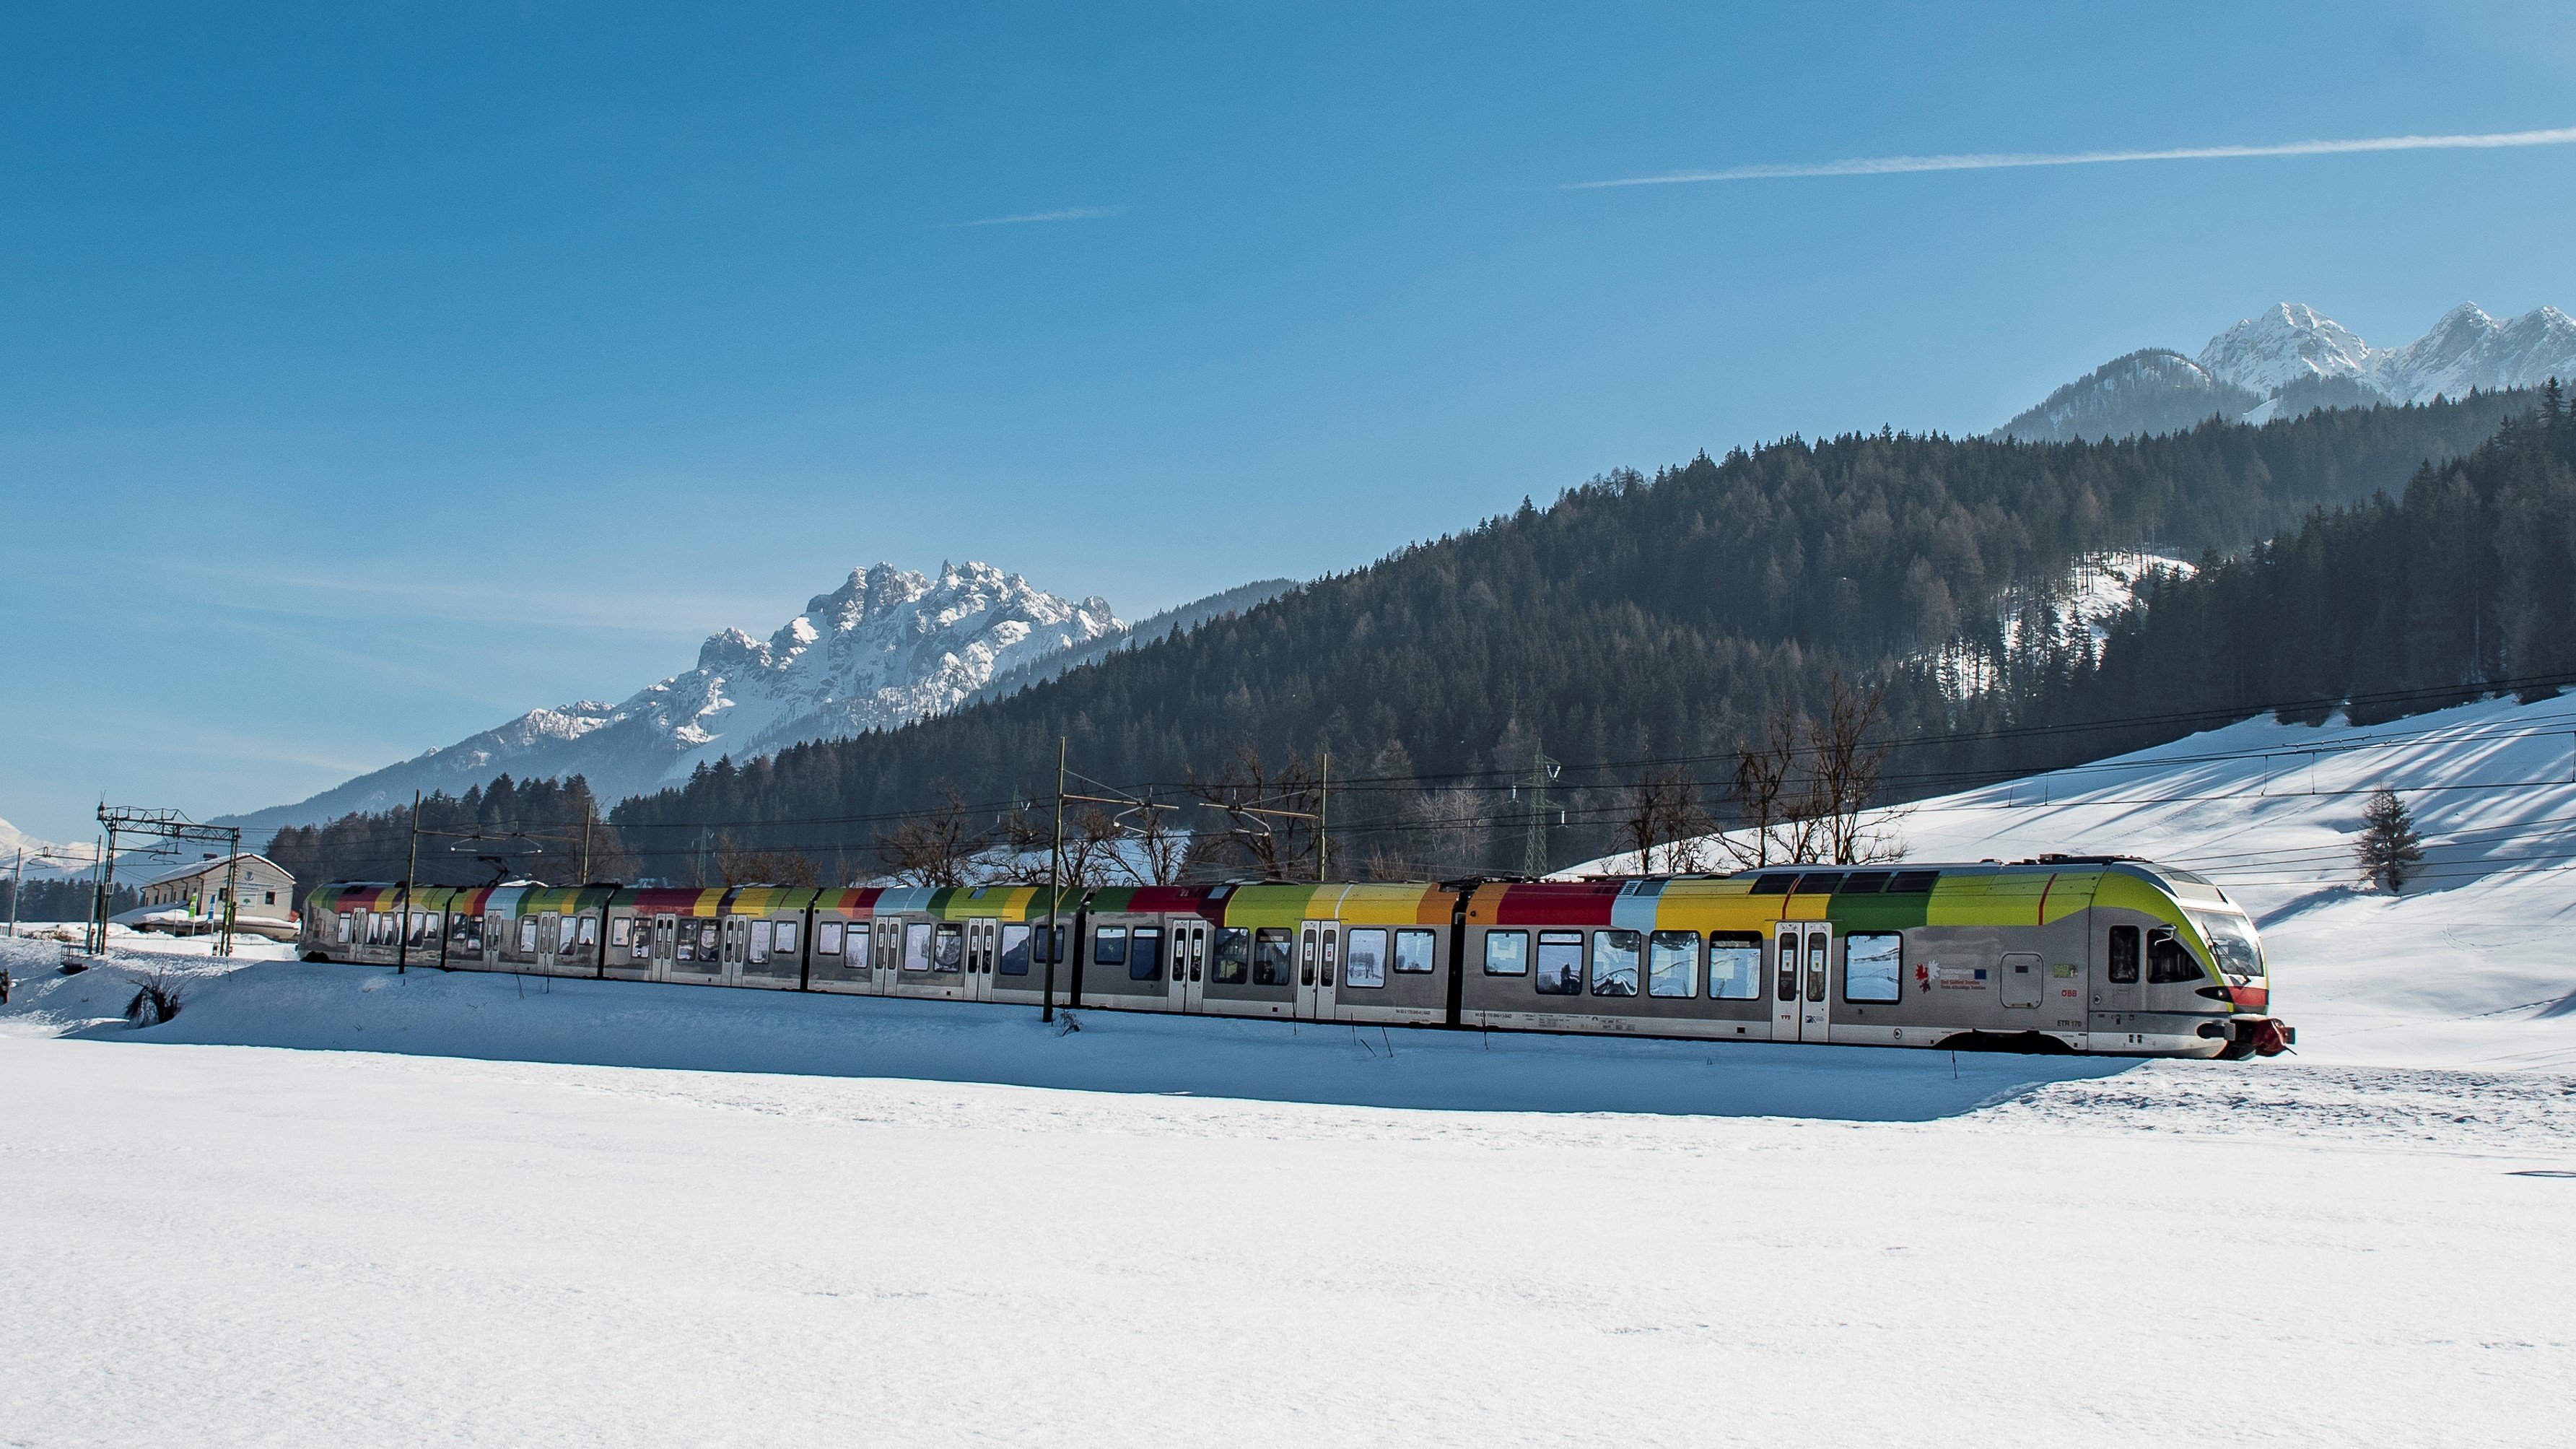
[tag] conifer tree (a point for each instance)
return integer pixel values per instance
(2389, 848)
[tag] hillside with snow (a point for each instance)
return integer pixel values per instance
(886, 648)
(2473, 965)
(2291, 358)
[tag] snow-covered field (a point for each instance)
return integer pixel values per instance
(332, 1205)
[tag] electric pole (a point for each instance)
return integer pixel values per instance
(402, 950)
(1534, 847)
(1055, 880)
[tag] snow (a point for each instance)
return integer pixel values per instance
(2464, 349)
(1192, 1231)
(2289, 342)
(2093, 592)
(332, 1204)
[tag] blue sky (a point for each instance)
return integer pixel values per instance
(369, 378)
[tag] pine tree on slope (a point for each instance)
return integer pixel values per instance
(2389, 848)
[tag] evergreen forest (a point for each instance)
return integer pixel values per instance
(1492, 698)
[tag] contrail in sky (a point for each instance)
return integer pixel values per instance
(2000, 160)
(1073, 213)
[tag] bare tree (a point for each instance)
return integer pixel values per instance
(1664, 816)
(1803, 793)
(1454, 831)
(1767, 795)
(1269, 812)
(1846, 755)
(936, 848)
(763, 867)
(1159, 848)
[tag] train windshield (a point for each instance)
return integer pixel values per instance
(2232, 939)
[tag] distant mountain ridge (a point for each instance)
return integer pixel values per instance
(2292, 359)
(888, 647)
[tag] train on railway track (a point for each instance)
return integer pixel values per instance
(2103, 954)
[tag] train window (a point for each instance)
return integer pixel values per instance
(2168, 960)
(1040, 950)
(1560, 963)
(1109, 946)
(949, 950)
(1672, 964)
(707, 940)
(1274, 956)
(527, 933)
(916, 946)
(1874, 966)
(1364, 957)
(1735, 965)
(1015, 951)
(786, 937)
(617, 931)
(761, 936)
(854, 943)
(344, 928)
(2231, 940)
(1819, 883)
(827, 938)
(1145, 954)
(1507, 953)
(1912, 882)
(1864, 882)
(641, 941)
(2122, 963)
(1233, 955)
(1773, 885)
(1413, 952)
(1614, 962)
(456, 929)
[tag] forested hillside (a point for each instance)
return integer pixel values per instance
(2464, 584)
(1635, 618)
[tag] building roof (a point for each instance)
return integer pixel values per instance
(213, 867)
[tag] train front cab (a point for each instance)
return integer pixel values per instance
(2178, 969)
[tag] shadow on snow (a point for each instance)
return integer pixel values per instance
(630, 1024)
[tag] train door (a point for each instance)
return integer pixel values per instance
(889, 955)
(1318, 956)
(734, 934)
(1189, 964)
(1815, 1016)
(2120, 988)
(983, 948)
(1788, 979)
(666, 945)
(548, 926)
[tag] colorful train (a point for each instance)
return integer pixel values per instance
(2062, 953)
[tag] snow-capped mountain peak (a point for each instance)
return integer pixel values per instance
(2283, 345)
(2291, 358)
(887, 647)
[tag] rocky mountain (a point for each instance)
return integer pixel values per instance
(2291, 360)
(886, 648)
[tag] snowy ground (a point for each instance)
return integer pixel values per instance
(332, 1205)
